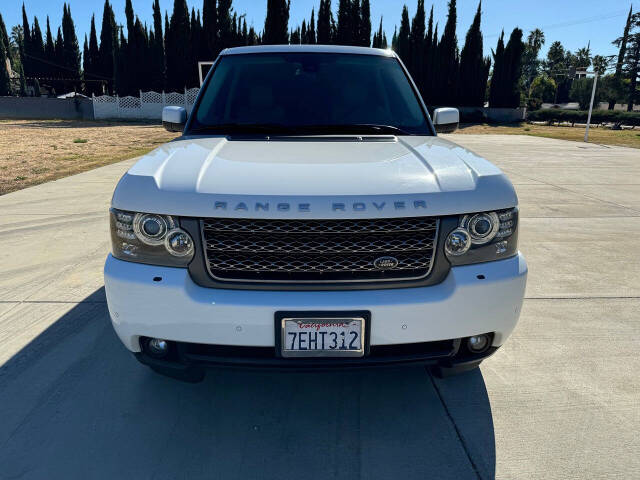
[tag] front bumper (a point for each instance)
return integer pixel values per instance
(164, 302)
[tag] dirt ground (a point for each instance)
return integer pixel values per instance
(36, 151)
(602, 136)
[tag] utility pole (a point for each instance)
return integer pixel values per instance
(593, 94)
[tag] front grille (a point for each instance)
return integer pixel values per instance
(260, 250)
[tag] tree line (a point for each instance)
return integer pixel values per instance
(127, 58)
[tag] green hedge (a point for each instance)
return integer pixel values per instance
(580, 116)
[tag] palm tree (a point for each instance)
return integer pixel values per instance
(536, 39)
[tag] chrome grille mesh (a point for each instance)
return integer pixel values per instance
(263, 250)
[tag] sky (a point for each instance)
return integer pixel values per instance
(572, 22)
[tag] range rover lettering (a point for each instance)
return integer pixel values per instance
(310, 216)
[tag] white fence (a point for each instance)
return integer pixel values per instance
(148, 105)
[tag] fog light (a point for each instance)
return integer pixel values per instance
(158, 347)
(179, 243)
(478, 343)
(458, 242)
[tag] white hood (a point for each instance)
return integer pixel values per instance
(313, 178)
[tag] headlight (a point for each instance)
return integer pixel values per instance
(151, 228)
(150, 238)
(483, 227)
(491, 236)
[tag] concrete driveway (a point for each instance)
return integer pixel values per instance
(560, 400)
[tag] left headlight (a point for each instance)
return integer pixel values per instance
(149, 238)
(490, 236)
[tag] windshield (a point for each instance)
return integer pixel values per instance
(309, 93)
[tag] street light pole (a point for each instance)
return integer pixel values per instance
(593, 94)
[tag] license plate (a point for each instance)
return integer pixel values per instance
(322, 337)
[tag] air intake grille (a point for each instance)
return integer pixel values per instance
(260, 250)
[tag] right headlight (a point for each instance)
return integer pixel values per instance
(149, 238)
(489, 236)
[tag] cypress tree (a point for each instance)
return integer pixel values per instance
(447, 60)
(86, 59)
(121, 65)
(394, 39)
(418, 29)
(428, 70)
(37, 50)
(403, 38)
(324, 22)
(224, 25)
(133, 54)
(311, 31)
(303, 32)
(26, 45)
(108, 44)
(4, 42)
(252, 37)
(5, 81)
(245, 32)
(94, 59)
(143, 57)
(23, 82)
(60, 73)
(377, 37)
(157, 50)
(622, 43)
(497, 77)
(276, 24)
(49, 49)
(177, 49)
(70, 45)
(295, 36)
(344, 34)
(513, 69)
(234, 30)
(365, 24)
(195, 40)
(4, 38)
(474, 68)
(210, 27)
(356, 22)
(632, 61)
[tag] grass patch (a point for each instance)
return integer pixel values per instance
(80, 140)
(597, 135)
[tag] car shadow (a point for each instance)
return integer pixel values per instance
(76, 404)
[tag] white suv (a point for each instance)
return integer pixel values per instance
(309, 216)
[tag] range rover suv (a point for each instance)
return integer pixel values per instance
(310, 216)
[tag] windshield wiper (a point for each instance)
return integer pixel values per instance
(375, 128)
(352, 128)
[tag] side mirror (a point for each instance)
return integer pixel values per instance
(174, 118)
(446, 120)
